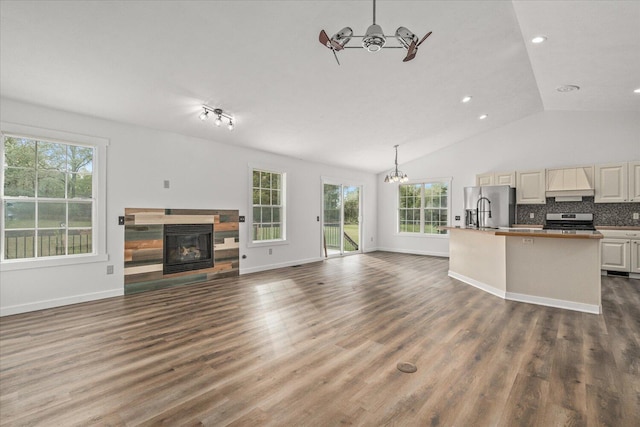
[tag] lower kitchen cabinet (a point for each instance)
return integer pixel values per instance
(620, 251)
(615, 254)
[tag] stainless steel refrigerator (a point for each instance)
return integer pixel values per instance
(489, 206)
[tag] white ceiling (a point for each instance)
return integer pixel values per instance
(155, 63)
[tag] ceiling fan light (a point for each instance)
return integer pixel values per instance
(374, 39)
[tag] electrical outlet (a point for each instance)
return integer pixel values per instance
(109, 269)
(457, 217)
(120, 220)
(636, 215)
(372, 239)
(532, 215)
(527, 241)
(167, 183)
(270, 251)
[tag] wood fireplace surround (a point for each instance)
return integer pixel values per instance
(144, 240)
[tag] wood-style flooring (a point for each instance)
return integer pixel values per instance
(318, 345)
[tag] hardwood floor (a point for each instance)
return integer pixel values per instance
(318, 345)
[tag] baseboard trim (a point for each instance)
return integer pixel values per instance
(556, 303)
(280, 265)
(478, 284)
(59, 302)
(414, 252)
(529, 299)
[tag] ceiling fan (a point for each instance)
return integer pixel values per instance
(373, 39)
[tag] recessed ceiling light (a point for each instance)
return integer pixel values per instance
(466, 99)
(637, 90)
(567, 88)
(538, 39)
(483, 116)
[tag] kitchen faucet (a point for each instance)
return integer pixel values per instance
(478, 211)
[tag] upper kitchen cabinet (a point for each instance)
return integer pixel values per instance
(498, 178)
(618, 182)
(530, 187)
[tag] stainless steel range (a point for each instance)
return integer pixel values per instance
(569, 221)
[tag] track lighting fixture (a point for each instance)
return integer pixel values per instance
(219, 114)
(395, 175)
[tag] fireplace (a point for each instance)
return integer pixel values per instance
(187, 247)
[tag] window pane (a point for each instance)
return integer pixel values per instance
(51, 243)
(19, 182)
(52, 156)
(79, 186)
(275, 181)
(19, 244)
(257, 217)
(266, 215)
(265, 180)
(51, 184)
(265, 197)
(79, 214)
(19, 215)
(52, 214)
(275, 197)
(276, 215)
(20, 152)
(443, 201)
(79, 159)
(79, 242)
(256, 179)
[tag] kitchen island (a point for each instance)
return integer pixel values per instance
(548, 267)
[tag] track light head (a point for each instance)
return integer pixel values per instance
(230, 125)
(204, 115)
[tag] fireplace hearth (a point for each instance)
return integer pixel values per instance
(187, 247)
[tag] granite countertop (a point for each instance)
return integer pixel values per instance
(533, 232)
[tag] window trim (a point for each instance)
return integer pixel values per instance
(444, 180)
(285, 202)
(99, 235)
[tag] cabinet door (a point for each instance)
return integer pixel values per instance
(611, 183)
(505, 178)
(635, 256)
(484, 179)
(530, 187)
(634, 181)
(615, 254)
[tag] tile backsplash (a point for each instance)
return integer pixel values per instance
(613, 214)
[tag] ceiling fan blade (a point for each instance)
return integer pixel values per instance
(336, 55)
(424, 38)
(336, 45)
(411, 52)
(324, 39)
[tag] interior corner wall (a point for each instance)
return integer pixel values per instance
(544, 140)
(203, 174)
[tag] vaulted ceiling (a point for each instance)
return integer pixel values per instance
(155, 63)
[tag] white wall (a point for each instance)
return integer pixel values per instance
(203, 174)
(544, 140)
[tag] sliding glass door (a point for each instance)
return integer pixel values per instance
(341, 219)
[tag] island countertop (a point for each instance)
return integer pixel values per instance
(533, 232)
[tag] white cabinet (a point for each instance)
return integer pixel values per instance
(498, 178)
(530, 187)
(615, 254)
(634, 181)
(620, 251)
(617, 183)
(635, 256)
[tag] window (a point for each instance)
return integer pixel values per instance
(423, 207)
(48, 198)
(268, 206)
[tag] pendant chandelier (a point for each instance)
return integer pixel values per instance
(395, 175)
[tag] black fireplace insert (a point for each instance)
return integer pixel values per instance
(187, 247)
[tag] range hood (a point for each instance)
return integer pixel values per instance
(570, 184)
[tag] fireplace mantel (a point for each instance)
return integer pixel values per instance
(144, 247)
